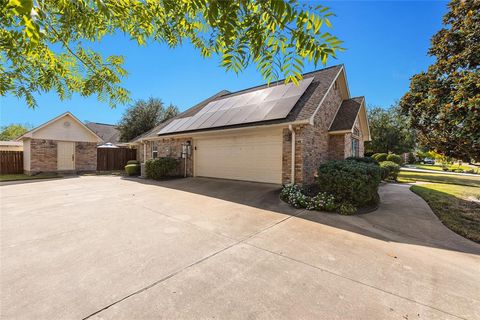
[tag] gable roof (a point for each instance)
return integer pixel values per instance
(108, 132)
(303, 110)
(346, 114)
(29, 134)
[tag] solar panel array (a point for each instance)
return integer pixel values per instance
(260, 105)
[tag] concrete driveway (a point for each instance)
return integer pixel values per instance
(102, 247)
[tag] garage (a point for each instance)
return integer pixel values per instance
(256, 156)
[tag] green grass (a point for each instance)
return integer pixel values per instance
(455, 206)
(411, 176)
(18, 177)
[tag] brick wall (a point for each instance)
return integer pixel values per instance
(43, 156)
(336, 147)
(85, 156)
(169, 147)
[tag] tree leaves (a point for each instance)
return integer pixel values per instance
(44, 47)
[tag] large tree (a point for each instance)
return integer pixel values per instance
(390, 131)
(12, 131)
(45, 45)
(143, 116)
(444, 102)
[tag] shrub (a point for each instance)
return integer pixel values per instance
(133, 162)
(160, 168)
(395, 158)
(363, 159)
(385, 172)
(132, 169)
(380, 157)
(293, 195)
(350, 181)
(445, 168)
(458, 170)
(393, 169)
(347, 209)
(411, 158)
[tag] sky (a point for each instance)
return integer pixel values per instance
(386, 42)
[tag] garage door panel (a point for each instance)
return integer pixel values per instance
(245, 157)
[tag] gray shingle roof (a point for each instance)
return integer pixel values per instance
(346, 115)
(303, 109)
(108, 132)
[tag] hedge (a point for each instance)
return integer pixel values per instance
(393, 169)
(363, 159)
(380, 157)
(161, 168)
(395, 158)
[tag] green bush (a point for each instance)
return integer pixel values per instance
(350, 182)
(380, 157)
(393, 169)
(295, 196)
(411, 158)
(385, 172)
(347, 209)
(458, 170)
(363, 159)
(133, 162)
(160, 168)
(132, 169)
(395, 158)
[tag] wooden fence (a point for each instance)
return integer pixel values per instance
(11, 162)
(114, 158)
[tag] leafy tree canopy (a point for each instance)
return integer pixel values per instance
(13, 131)
(44, 45)
(143, 116)
(390, 131)
(444, 102)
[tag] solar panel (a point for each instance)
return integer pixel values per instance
(270, 103)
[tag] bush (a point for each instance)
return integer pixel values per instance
(364, 159)
(411, 158)
(458, 170)
(293, 195)
(350, 181)
(380, 157)
(132, 169)
(393, 169)
(347, 209)
(445, 168)
(385, 172)
(395, 158)
(161, 168)
(133, 162)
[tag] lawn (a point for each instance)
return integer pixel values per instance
(17, 177)
(457, 206)
(438, 167)
(411, 176)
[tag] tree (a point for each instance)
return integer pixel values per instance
(12, 131)
(143, 116)
(390, 131)
(46, 46)
(443, 103)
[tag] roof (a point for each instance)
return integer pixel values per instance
(108, 132)
(303, 110)
(68, 113)
(347, 114)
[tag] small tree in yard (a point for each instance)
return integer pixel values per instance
(144, 116)
(12, 131)
(444, 102)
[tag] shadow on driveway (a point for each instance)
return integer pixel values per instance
(401, 217)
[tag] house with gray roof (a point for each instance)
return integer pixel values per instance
(108, 132)
(276, 133)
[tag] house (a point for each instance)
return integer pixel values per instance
(63, 144)
(11, 146)
(277, 133)
(109, 134)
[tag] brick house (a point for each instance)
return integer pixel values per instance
(279, 133)
(63, 144)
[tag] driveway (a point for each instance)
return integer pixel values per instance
(102, 247)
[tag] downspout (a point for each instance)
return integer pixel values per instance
(144, 152)
(292, 173)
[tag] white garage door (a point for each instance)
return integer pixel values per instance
(250, 157)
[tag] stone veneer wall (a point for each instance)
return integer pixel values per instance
(85, 156)
(43, 156)
(348, 142)
(169, 147)
(336, 145)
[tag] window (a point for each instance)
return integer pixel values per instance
(355, 148)
(154, 151)
(356, 132)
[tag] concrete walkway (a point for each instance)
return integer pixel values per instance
(110, 248)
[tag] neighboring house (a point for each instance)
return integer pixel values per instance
(64, 144)
(277, 134)
(109, 134)
(11, 146)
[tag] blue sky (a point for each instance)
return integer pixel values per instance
(386, 41)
